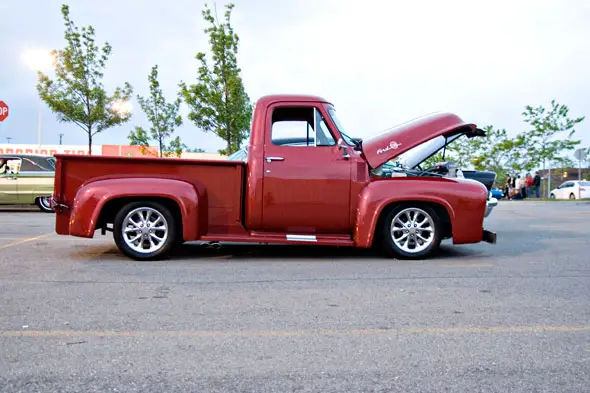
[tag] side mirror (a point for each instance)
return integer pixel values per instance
(342, 147)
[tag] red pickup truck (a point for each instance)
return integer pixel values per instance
(325, 191)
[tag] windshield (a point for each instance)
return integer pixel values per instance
(347, 139)
(51, 161)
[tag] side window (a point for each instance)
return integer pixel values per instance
(300, 126)
(29, 165)
(12, 166)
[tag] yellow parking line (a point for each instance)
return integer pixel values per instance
(294, 333)
(26, 240)
(468, 265)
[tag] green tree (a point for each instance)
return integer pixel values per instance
(536, 146)
(218, 101)
(493, 152)
(565, 162)
(433, 160)
(497, 152)
(77, 94)
(164, 118)
(464, 151)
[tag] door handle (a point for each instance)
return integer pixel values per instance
(269, 159)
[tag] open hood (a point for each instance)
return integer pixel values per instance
(400, 139)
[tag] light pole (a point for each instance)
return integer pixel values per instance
(39, 60)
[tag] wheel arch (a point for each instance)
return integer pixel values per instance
(113, 206)
(440, 210)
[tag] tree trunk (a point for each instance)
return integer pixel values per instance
(89, 141)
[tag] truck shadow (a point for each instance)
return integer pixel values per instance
(512, 243)
(248, 252)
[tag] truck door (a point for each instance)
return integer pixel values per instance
(306, 186)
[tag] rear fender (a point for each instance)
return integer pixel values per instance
(92, 197)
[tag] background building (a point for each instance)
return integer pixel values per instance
(97, 150)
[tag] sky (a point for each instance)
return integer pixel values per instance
(380, 63)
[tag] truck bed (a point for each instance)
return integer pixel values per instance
(223, 181)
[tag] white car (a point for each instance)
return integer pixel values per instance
(572, 189)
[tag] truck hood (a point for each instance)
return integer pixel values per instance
(400, 139)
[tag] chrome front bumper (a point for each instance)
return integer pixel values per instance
(490, 204)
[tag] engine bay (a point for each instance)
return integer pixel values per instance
(442, 169)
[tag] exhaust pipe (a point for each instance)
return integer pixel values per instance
(213, 245)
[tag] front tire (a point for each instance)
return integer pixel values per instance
(552, 196)
(572, 196)
(44, 204)
(145, 230)
(411, 231)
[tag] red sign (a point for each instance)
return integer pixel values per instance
(3, 111)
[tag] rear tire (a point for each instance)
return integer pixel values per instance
(145, 230)
(411, 231)
(44, 204)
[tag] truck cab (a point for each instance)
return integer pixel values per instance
(323, 190)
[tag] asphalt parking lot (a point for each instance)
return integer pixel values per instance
(76, 316)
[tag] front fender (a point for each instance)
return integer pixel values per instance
(463, 201)
(92, 197)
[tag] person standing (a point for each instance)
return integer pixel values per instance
(537, 184)
(529, 185)
(508, 187)
(518, 186)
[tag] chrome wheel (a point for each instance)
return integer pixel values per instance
(145, 230)
(412, 230)
(44, 203)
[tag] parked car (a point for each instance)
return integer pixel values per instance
(27, 180)
(572, 189)
(497, 193)
(324, 193)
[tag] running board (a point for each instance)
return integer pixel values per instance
(283, 238)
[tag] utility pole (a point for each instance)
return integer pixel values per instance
(60, 138)
(580, 155)
(549, 181)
